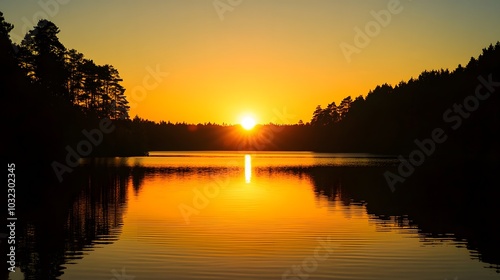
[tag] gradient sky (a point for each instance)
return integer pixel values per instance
(266, 56)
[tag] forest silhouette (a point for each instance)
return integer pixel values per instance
(51, 93)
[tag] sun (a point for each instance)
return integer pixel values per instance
(248, 123)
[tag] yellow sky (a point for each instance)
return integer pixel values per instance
(261, 57)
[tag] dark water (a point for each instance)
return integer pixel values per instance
(224, 215)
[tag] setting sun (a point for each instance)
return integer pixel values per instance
(248, 123)
(261, 140)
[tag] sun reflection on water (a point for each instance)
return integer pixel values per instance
(248, 168)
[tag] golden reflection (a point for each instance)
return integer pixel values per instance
(248, 168)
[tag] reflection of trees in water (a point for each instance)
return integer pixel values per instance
(138, 175)
(454, 203)
(74, 218)
(97, 213)
(60, 225)
(60, 222)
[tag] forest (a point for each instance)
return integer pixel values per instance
(389, 120)
(51, 95)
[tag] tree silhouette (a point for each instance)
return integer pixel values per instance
(62, 91)
(8, 63)
(54, 93)
(43, 58)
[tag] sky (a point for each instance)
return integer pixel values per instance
(218, 61)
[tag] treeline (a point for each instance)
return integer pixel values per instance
(464, 103)
(387, 121)
(182, 136)
(51, 93)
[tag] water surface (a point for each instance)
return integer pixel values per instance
(229, 215)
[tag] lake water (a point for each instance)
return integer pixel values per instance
(236, 215)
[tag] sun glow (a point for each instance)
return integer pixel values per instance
(248, 123)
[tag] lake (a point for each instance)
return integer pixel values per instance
(255, 215)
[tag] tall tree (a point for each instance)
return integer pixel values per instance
(43, 58)
(74, 61)
(8, 64)
(344, 107)
(331, 114)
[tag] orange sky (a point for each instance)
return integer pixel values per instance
(261, 57)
